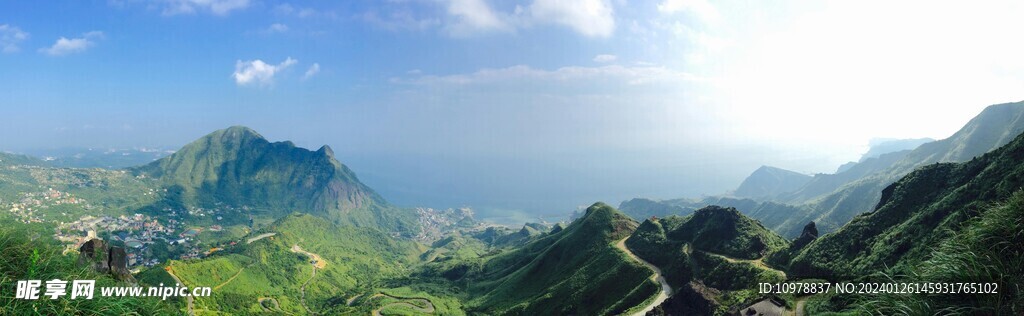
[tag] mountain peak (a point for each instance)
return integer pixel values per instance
(326, 150)
(768, 181)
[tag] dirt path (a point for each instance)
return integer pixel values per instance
(261, 236)
(801, 303)
(232, 278)
(756, 262)
(318, 263)
(189, 298)
(666, 290)
(277, 306)
(428, 310)
(352, 299)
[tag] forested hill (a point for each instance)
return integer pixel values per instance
(238, 167)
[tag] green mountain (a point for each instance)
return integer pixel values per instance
(915, 214)
(575, 271)
(771, 214)
(238, 167)
(640, 208)
(9, 159)
(713, 258)
(833, 203)
(768, 182)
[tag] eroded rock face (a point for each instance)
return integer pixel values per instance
(94, 253)
(809, 234)
(103, 258)
(119, 264)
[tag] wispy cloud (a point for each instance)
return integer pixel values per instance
(312, 71)
(277, 28)
(65, 46)
(631, 75)
(10, 36)
(259, 72)
(302, 12)
(217, 7)
(470, 17)
(702, 9)
(605, 58)
(594, 18)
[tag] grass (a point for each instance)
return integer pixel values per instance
(25, 259)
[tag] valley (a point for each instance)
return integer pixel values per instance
(274, 228)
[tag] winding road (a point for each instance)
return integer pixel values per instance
(170, 271)
(427, 310)
(666, 290)
(318, 263)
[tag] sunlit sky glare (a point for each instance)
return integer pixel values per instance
(663, 98)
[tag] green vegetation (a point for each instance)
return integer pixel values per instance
(26, 259)
(574, 271)
(238, 167)
(915, 214)
(354, 260)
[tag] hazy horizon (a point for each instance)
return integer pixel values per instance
(533, 105)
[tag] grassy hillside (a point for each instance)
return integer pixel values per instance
(716, 251)
(574, 271)
(836, 204)
(27, 259)
(915, 214)
(238, 167)
(354, 261)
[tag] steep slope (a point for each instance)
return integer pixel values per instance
(915, 214)
(767, 182)
(713, 257)
(885, 146)
(238, 167)
(576, 271)
(991, 129)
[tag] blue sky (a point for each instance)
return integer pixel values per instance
(503, 104)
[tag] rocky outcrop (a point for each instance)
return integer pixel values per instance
(809, 234)
(694, 298)
(103, 258)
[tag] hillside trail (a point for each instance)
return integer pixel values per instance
(427, 310)
(318, 263)
(666, 290)
(191, 312)
(759, 262)
(232, 278)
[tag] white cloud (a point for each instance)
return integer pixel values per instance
(637, 75)
(605, 58)
(10, 36)
(472, 17)
(277, 28)
(312, 71)
(65, 46)
(701, 8)
(288, 9)
(217, 7)
(593, 18)
(259, 72)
